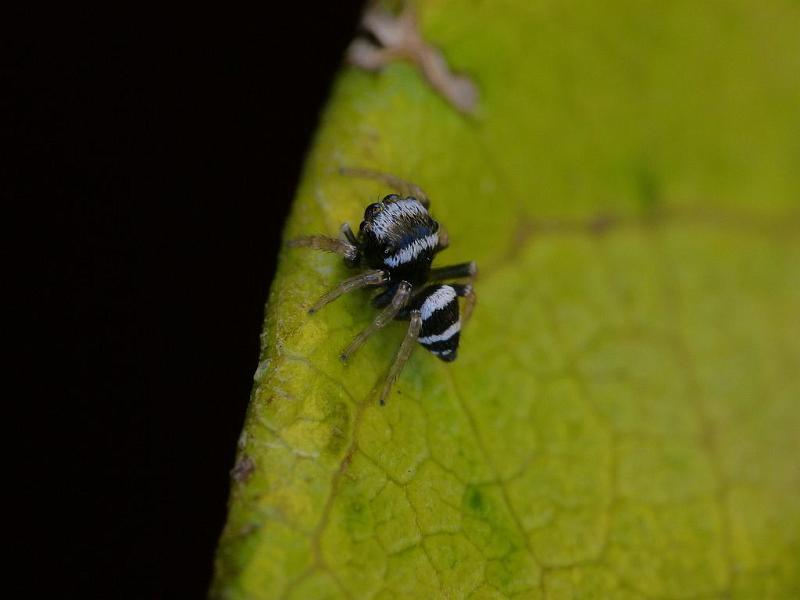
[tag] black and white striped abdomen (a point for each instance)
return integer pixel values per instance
(441, 322)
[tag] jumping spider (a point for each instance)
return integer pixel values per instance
(395, 246)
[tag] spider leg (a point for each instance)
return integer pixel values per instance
(347, 234)
(328, 244)
(399, 301)
(400, 359)
(459, 271)
(400, 185)
(468, 293)
(444, 239)
(365, 279)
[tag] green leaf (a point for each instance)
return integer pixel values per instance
(623, 420)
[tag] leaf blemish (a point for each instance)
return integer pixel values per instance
(243, 468)
(475, 500)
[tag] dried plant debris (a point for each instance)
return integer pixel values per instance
(391, 37)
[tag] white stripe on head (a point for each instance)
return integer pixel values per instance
(437, 300)
(382, 222)
(412, 250)
(441, 337)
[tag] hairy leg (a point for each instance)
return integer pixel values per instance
(365, 279)
(400, 359)
(459, 271)
(347, 234)
(468, 293)
(325, 243)
(400, 185)
(399, 301)
(444, 239)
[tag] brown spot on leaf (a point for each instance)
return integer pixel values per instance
(243, 468)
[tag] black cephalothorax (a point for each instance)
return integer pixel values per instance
(395, 247)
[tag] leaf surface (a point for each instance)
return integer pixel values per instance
(623, 420)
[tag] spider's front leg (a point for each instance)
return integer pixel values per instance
(401, 186)
(347, 234)
(399, 301)
(346, 246)
(365, 279)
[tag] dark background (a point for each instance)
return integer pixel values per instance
(155, 157)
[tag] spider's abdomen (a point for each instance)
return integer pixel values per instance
(441, 322)
(400, 236)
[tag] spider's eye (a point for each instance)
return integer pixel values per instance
(372, 210)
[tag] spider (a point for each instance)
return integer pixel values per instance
(395, 246)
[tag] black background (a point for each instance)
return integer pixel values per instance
(155, 157)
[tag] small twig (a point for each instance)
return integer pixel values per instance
(399, 38)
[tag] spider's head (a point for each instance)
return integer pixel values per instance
(374, 209)
(370, 212)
